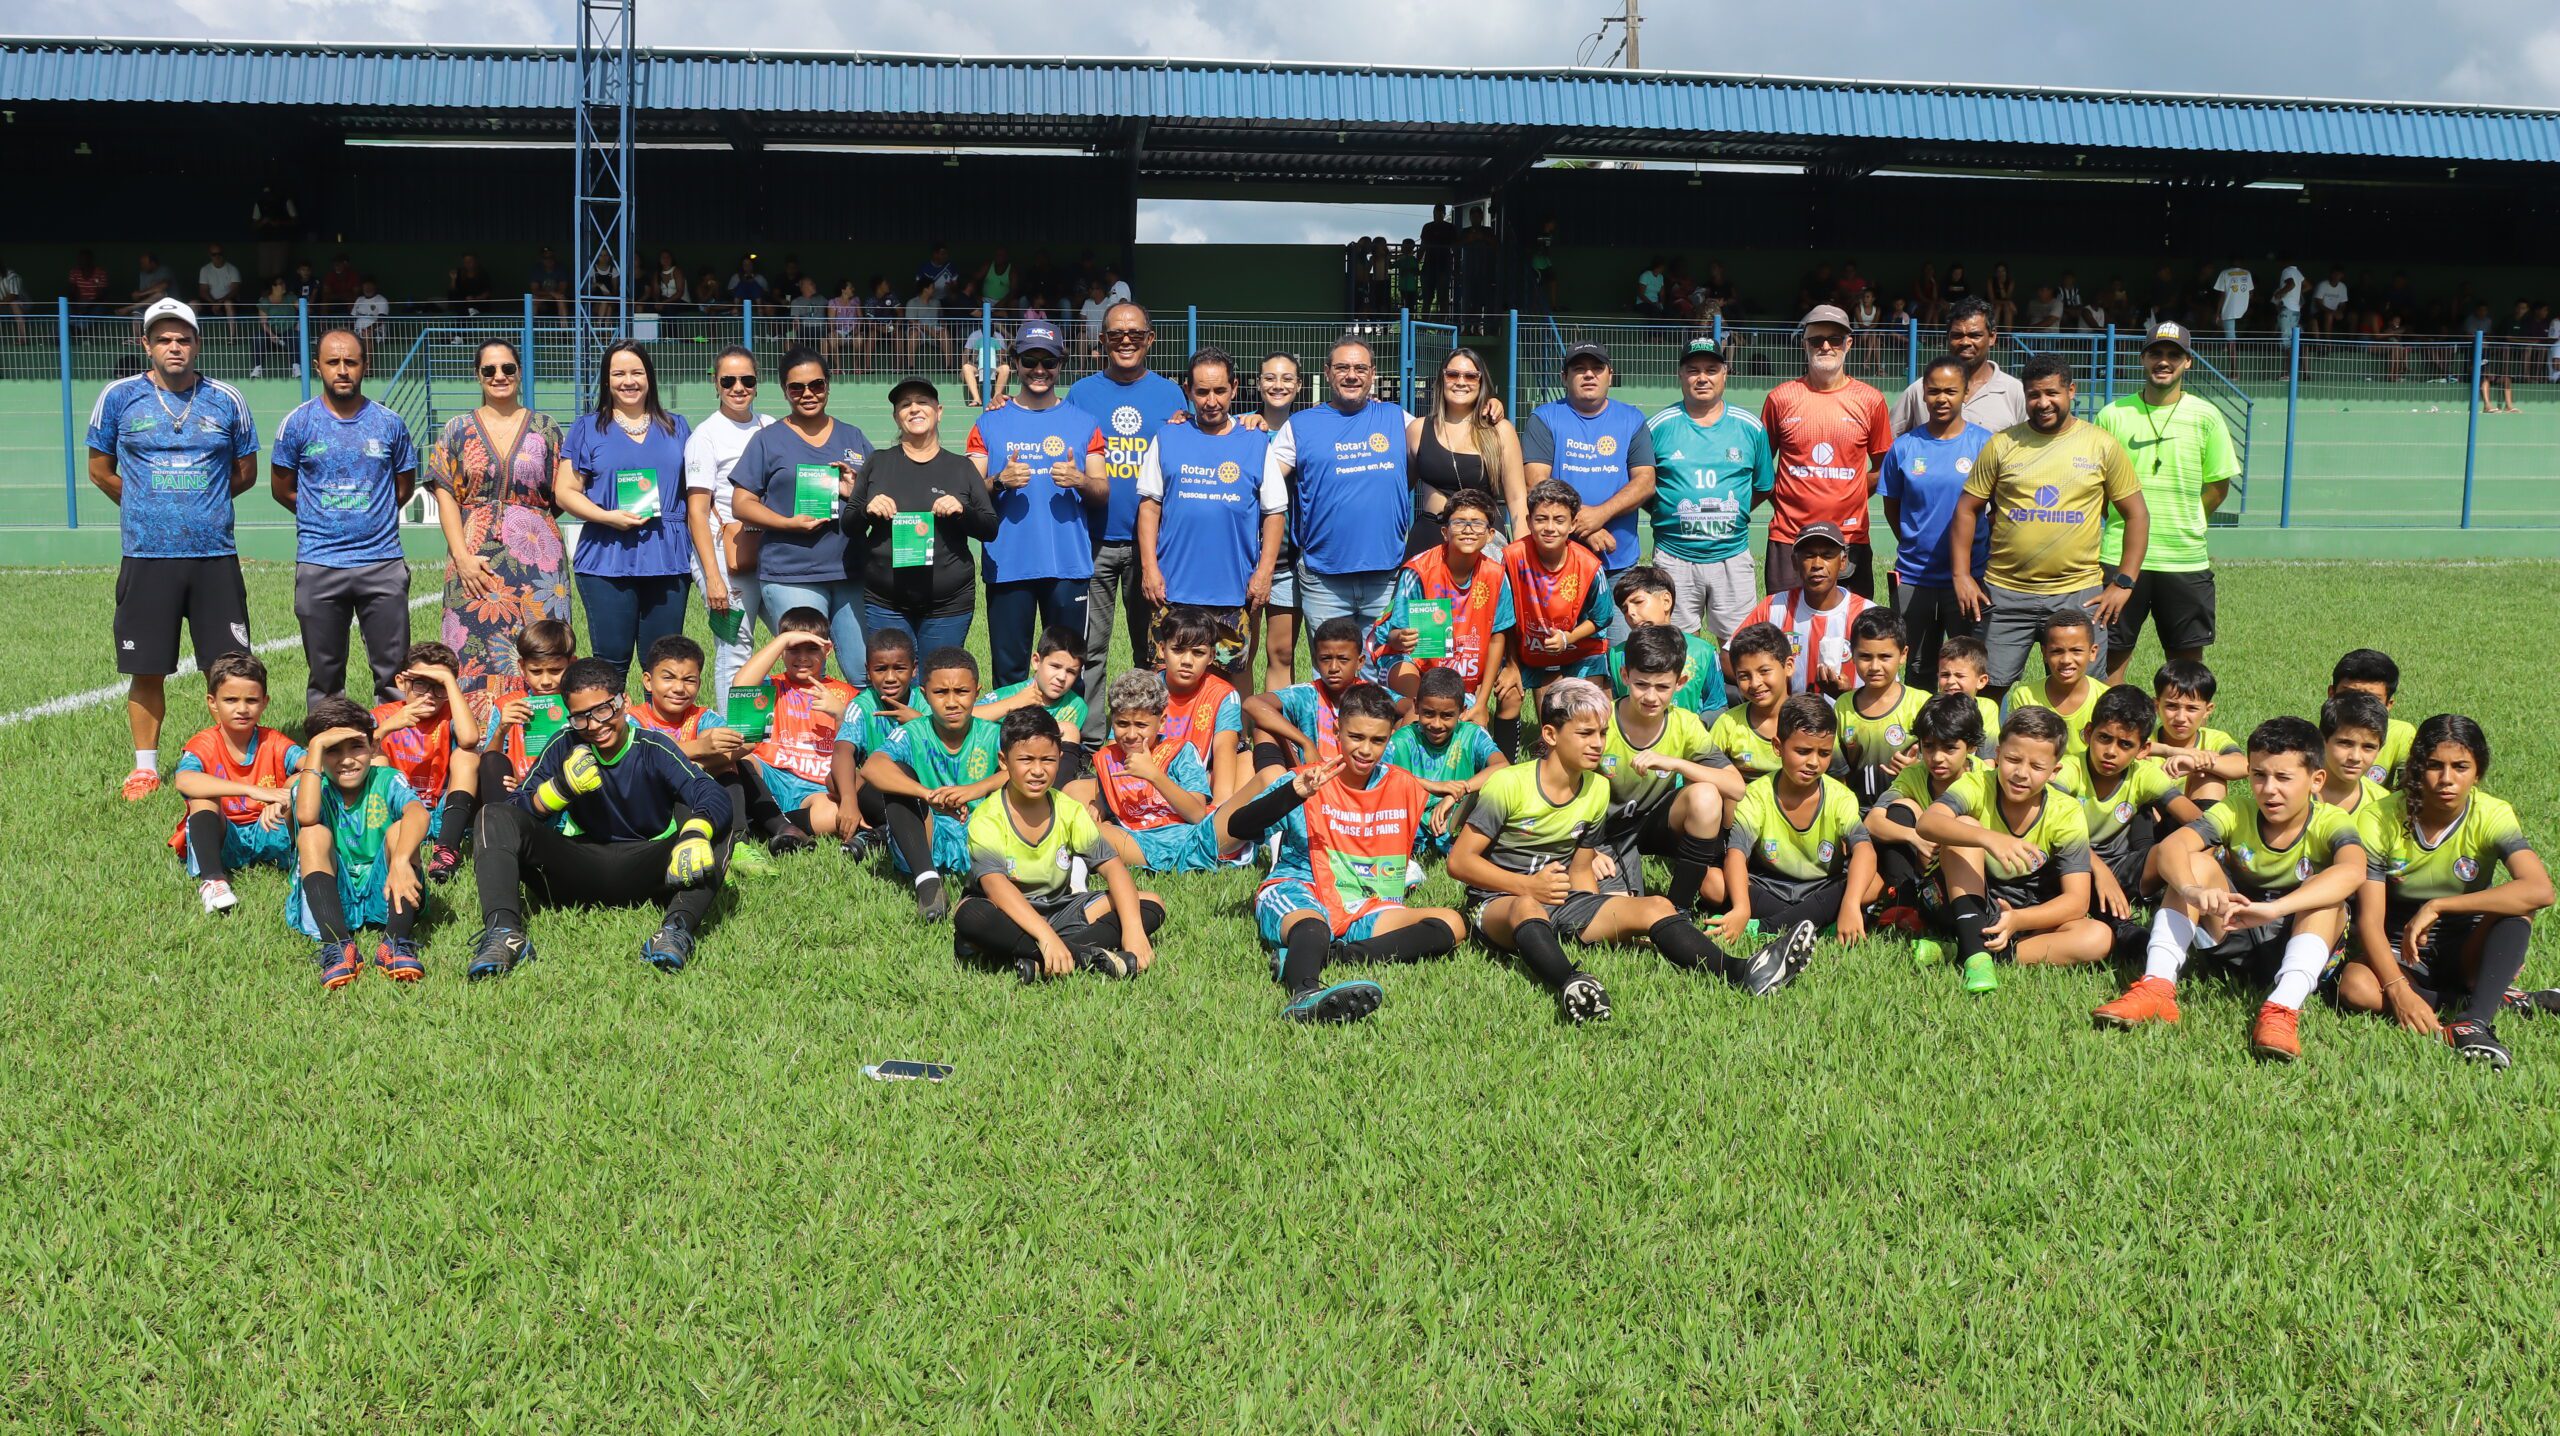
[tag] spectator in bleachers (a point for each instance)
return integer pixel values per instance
(13, 298)
(2074, 304)
(548, 283)
(1993, 397)
(340, 286)
(787, 287)
(996, 280)
(1865, 315)
(2235, 284)
(304, 284)
(846, 346)
(2002, 292)
(1115, 290)
(370, 308)
(466, 286)
(1925, 303)
(1476, 266)
(1716, 296)
(273, 217)
(986, 347)
(808, 314)
(1850, 285)
(2287, 299)
(667, 288)
(1543, 276)
(279, 329)
(745, 285)
(709, 297)
(1089, 316)
(2116, 305)
(1035, 308)
(604, 281)
(1408, 275)
(2328, 297)
(151, 281)
(2496, 369)
(87, 281)
(881, 312)
(937, 274)
(1040, 277)
(1649, 282)
(1439, 255)
(2044, 312)
(217, 284)
(1957, 289)
(922, 329)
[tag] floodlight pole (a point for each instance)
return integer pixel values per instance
(601, 222)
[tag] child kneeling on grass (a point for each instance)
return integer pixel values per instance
(1669, 787)
(358, 826)
(671, 678)
(1347, 828)
(1024, 905)
(2434, 933)
(2120, 789)
(796, 760)
(1950, 734)
(236, 778)
(1797, 857)
(1152, 792)
(1528, 856)
(2272, 906)
(2014, 852)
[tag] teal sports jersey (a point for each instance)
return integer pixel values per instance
(1701, 689)
(865, 727)
(2109, 809)
(2059, 831)
(1706, 480)
(360, 825)
(1466, 753)
(2255, 865)
(1634, 791)
(1867, 742)
(1732, 732)
(919, 749)
(2464, 858)
(1069, 711)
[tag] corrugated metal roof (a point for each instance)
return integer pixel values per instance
(1460, 104)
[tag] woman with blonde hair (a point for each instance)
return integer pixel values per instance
(1464, 443)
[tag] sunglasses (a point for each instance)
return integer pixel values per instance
(1459, 376)
(737, 381)
(814, 388)
(1128, 336)
(1028, 362)
(497, 371)
(1826, 341)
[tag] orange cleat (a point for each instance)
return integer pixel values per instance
(2276, 1035)
(2148, 1000)
(139, 784)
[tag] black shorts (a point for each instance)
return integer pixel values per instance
(1635, 837)
(2179, 605)
(154, 595)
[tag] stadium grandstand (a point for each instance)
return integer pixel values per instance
(418, 188)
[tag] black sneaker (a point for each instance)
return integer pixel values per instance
(1106, 962)
(2476, 1041)
(668, 947)
(931, 904)
(2540, 1002)
(786, 842)
(1766, 972)
(499, 951)
(1582, 999)
(863, 843)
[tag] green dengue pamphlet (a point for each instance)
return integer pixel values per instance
(635, 491)
(547, 714)
(911, 540)
(813, 491)
(751, 712)
(1429, 618)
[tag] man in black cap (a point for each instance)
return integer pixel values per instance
(2182, 452)
(1600, 446)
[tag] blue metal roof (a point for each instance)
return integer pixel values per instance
(1052, 101)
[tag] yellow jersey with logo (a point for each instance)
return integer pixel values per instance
(2464, 858)
(2047, 497)
(2256, 865)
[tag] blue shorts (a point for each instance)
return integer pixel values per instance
(360, 891)
(1181, 847)
(246, 845)
(950, 846)
(1595, 668)
(1279, 899)
(790, 791)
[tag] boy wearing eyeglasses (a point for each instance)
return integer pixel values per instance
(1460, 594)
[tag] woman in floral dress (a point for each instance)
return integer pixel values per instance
(491, 473)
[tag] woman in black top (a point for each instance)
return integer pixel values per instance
(935, 594)
(1462, 446)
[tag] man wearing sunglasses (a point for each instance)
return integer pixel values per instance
(648, 826)
(1131, 402)
(1828, 431)
(171, 448)
(1043, 459)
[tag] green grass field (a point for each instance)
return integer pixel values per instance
(591, 1197)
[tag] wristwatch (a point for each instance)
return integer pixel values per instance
(2121, 580)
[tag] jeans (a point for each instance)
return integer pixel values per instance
(1117, 577)
(1017, 610)
(929, 632)
(1336, 595)
(375, 596)
(1932, 616)
(626, 615)
(728, 656)
(842, 601)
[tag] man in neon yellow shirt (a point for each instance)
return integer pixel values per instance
(2181, 451)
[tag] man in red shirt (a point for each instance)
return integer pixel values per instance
(1828, 430)
(340, 286)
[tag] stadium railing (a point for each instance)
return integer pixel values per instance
(2332, 431)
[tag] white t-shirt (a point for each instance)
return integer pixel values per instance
(219, 279)
(1118, 293)
(2331, 293)
(11, 286)
(368, 308)
(1092, 311)
(712, 452)
(2289, 299)
(2234, 285)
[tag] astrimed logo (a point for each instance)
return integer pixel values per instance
(1377, 443)
(1608, 445)
(1126, 420)
(2046, 496)
(1822, 452)
(1056, 447)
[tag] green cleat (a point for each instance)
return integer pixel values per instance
(1927, 952)
(748, 861)
(1979, 975)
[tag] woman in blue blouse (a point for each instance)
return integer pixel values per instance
(622, 474)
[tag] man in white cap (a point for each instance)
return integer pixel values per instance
(2182, 452)
(172, 448)
(1828, 430)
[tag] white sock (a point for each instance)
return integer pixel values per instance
(2304, 956)
(146, 760)
(927, 873)
(2171, 932)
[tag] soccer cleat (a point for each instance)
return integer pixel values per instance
(339, 963)
(1799, 945)
(443, 863)
(786, 842)
(1979, 974)
(1927, 952)
(139, 784)
(668, 947)
(931, 904)
(748, 861)
(1767, 971)
(499, 951)
(1413, 874)
(1106, 962)
(863, 843)
(1582, 999)
(2276, 1035)
(398, 959)
(217, 895)
(2540, 1002)
(2149, 1000)
(2476, 1041)
(1028, 969)
(1342, 1002)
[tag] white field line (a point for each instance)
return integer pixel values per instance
(91, 698)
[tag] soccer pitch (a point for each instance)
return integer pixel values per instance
(593, 1197)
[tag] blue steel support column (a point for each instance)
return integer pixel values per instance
(302, 344)
(1511, 369)
(1404, 362)
(601, 220)
(2111, 364)
(70, 421)
(2292, 414)
(1192, 319)
(2471, 431)
(524, 376)
(1910, 346)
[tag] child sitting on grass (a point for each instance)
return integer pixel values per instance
(931, 772)
(504, 706)
(1748, 731)
(2186, 743)
(2068, 640)
(358, 825)
(671, 678)
(1964, 668)
(2259, 885)
(1057, 668)
(2120, 789)
(1024, 906)
(2370, 670)
(1949, 728)
(889, 661)
(236, 779)
(1669, 786)
(1645, 596)
(1336, 893)
(1797, 857)
(1876, 718)
(1296, 724)
(1559, 592)
(1152, 794)
(1468, 586)
(2014, 852)
(430, 734)
(2353, 728)
(797, 758)
(1203, 709)
(1452, 757)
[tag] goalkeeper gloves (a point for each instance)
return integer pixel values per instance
(691, 861)
(579, 773)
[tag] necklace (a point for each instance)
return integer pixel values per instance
(634, 429)
(178, 420)
(2159, 431)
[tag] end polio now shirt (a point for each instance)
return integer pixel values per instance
(346, 508)
(1129, 414)
(660, 548)
(174, 453)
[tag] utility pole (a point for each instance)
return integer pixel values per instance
(1634, 19)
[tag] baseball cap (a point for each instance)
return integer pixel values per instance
(1705, 346)
(1823, 314)
(913, 385)
(170, 309)
(1828, 533)
(1039, 336)
(2170, 331)
(1585, 351)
